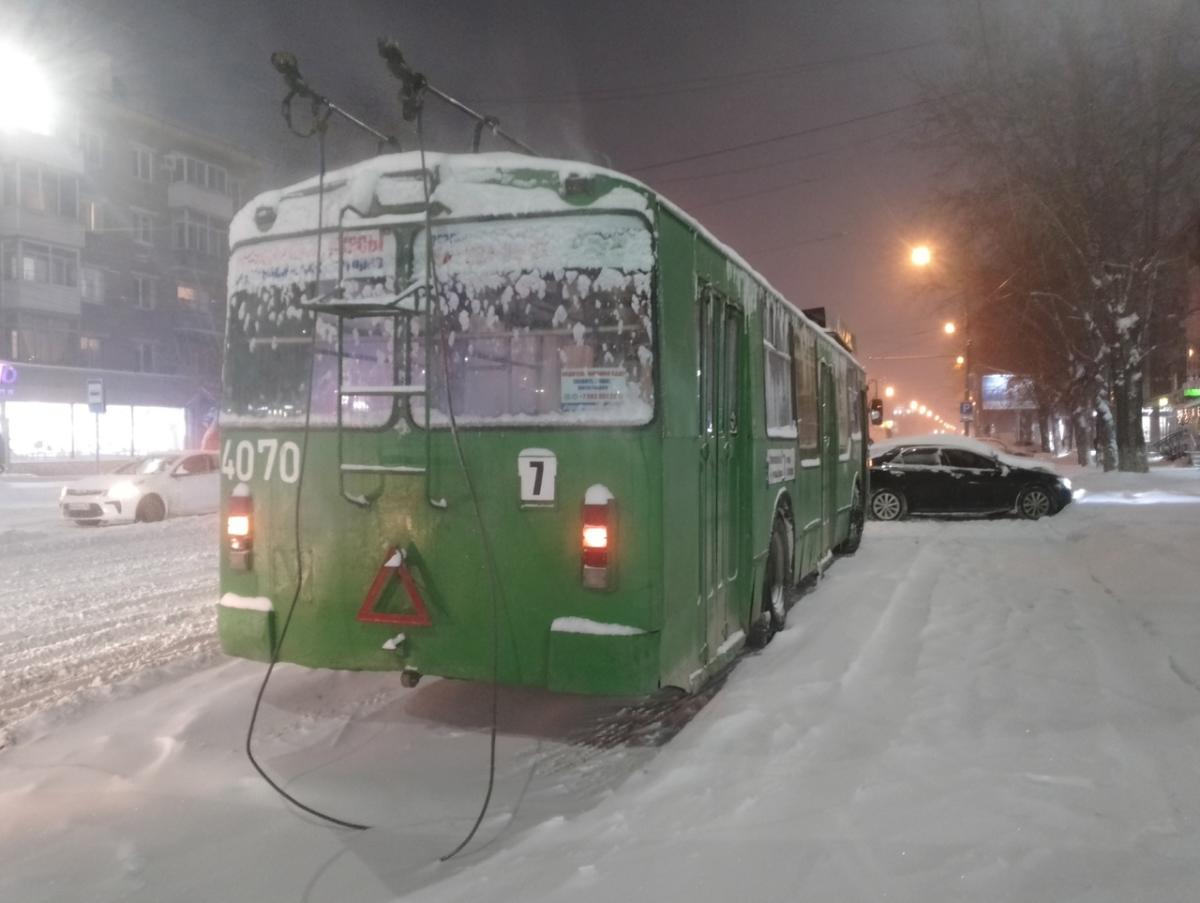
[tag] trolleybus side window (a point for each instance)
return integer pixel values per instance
(778, 376)
(542, 321)
(706, 354)
(804, 365)
(729, 392)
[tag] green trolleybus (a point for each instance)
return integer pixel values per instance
(501, 416)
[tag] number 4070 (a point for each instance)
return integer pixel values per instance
(239, 462)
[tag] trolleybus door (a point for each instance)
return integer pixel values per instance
(829, 454)
(720, 424)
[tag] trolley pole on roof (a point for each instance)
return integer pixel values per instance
(414, 86)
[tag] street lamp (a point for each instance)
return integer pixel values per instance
(26, 101)
(949, 328)
(921, 256)
(889, 392)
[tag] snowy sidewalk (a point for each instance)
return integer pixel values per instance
(988, 710)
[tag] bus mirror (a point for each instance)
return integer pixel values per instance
(876, 411)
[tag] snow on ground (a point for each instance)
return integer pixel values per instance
(982, 710)
(81, 607)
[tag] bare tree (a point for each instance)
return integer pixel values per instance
(1071, 134)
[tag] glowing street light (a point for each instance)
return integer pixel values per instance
(922, 409)
(912, 405)
(921, 256)
(949, 328)
(26, 101)
(959, 361)
(889, 391)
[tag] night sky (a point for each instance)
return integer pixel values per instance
(826, 215)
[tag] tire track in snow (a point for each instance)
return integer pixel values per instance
(96, 605)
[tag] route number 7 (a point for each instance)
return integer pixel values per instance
(537, 469)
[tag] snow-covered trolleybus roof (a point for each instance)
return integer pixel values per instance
(387, 191)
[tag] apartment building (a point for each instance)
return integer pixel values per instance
(113, 246)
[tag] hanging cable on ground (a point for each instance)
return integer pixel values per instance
(321, 113)
(489, 556)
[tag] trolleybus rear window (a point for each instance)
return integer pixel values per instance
(271, 339)
(544, 321)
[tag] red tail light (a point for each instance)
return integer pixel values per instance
(239, 529)
(599, 527)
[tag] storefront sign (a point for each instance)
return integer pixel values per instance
(587, 388)
(781, 465)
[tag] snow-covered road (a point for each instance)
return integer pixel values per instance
(84, 606)
(991, 710)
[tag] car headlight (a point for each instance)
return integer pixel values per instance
(62, 493)
(1066, 484)
(123, 491)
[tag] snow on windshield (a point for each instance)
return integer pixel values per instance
(543, 320)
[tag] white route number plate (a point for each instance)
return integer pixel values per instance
(537, 468)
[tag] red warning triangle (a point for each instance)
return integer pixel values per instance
(393, 567)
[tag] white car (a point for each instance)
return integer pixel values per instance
(147, 489)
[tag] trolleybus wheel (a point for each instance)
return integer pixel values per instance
(857, 515)
(150, 509)
(771, 611)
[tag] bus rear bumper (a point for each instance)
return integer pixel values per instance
(246, 631)
(603, 664)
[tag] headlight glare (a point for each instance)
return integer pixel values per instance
(123, 491)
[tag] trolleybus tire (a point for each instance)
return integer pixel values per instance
(888, 504)
(857, 515)
(150, 509)
(771, 610)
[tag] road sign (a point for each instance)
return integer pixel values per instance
(966, 411)
(95, 395)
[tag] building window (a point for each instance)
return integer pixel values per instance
(143, 291)
(145, 357)
(46, 191)
(197, 172)
(143, 227)
(235, 192)
(44, 340)
(92, 215)
(143, 163)
(89, 349)
(64, 267)
(91, 285)
(196, 232)
(92, 145)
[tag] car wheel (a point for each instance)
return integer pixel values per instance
(888, 504)
(151, 509)
(1034, 502)
(771, 610)
(851, 543)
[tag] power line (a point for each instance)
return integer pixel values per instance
(704, 83)
(850, 146)
(811, 130)
(751, 194)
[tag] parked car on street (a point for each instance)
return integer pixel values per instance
(147, 489)
(950, 475)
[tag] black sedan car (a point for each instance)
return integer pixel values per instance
(959, 477)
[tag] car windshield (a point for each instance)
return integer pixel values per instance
(149, 465)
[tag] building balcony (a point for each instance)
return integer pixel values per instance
(202, 200)
(44, 149)
(40, 297)
(16, 222)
